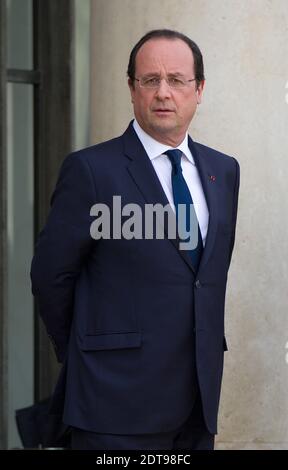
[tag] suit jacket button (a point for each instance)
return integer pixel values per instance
(198, 284)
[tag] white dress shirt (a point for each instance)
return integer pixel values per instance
(163, 169)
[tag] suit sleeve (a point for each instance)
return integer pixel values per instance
(235, 206)
(62, 248)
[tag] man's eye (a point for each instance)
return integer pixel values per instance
(175, 81)
(152, 81)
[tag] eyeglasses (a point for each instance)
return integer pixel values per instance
(154, 82)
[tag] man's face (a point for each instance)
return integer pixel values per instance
(165, 113)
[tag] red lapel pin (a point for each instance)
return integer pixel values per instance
(212, 178)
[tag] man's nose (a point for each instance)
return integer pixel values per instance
(164, 90)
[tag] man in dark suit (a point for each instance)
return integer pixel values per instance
(138, 322)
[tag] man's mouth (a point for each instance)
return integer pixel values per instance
(163, 111)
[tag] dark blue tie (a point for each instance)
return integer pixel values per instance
(181, 195)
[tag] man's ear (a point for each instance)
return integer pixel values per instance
(199, 91)
(131, 88)
(131, 84)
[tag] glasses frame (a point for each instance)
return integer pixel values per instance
(166, 80)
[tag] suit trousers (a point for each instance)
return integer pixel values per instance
(191, 435)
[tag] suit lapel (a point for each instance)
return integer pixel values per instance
(144, 176)
(209, 184)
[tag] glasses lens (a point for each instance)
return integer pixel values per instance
(151, 82)
(176, 82)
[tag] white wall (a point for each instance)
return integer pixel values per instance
(245, 114)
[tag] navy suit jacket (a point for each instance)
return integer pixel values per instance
(138, 330)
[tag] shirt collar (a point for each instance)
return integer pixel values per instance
(154, 148)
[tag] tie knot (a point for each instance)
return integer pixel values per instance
(175, 158)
